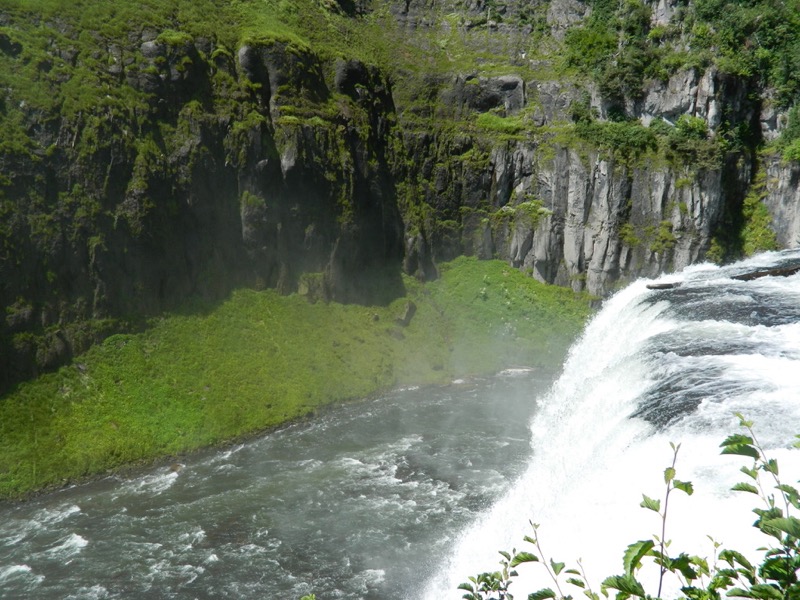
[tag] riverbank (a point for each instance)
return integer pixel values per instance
(260, 359)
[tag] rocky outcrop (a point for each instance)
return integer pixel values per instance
(577, 215)
(782, 198)
(247, 168)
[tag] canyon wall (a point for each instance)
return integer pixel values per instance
(251, 169)
(208, 166)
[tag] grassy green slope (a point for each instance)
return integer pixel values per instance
(260, 359)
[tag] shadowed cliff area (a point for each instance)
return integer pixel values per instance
(145, 166)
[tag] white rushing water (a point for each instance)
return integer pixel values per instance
(653, 367)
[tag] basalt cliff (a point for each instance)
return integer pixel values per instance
(152, 159)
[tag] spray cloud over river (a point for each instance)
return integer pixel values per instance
(406, 495)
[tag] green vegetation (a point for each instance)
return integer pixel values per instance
(661, 237)
(686, 144)
(626, 141)
(620, 49)
(727, 574)
(756, 234)
(752, 39)
(498, 124)
(614, 48)
(789, 142)
(261, 359)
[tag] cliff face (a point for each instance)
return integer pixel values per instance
(781, 195)
(245, 170)
(568, 212)
(169, 166)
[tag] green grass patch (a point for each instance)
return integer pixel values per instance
(499, 124)
(260, 359)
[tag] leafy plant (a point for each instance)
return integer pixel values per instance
(730, 573)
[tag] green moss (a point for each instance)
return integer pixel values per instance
(716, 251)
(626, 141)
(260, 359)
(498, 124)
(627, 235)
(529, 212)
(174, 38)
(249, 200)
(757, 234)
(662, 237)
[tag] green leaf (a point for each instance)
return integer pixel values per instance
(752, 473)
(694, 593)
(505, 555)
(523, 557)
(557, 566)
(684, 486)
(745, 487)
(729, 573)
(765, 518)
(737, 439)
(701, 564)
(465, 586)
(764, 591)
(573, 571)
(542, 594)
(791, 494)
(742, 421)
(683, 564)
(741, 450)
(633, 555)
(625, 584)
(777, 568)
(771, 466)
(649, 503)
(739, 593)
(669, 474)
(576, 582)
(788, 525)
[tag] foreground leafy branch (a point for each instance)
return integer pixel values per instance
(729, 573)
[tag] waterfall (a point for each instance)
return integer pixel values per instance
(654, 366)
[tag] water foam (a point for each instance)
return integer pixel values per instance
(591, 461)
(18, 571)
(67, 547)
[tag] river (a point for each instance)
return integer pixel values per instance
(361, 503)
(405, 495)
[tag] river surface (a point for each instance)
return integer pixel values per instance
(362, 503)
(404, 496)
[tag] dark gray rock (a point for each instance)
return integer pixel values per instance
(9, 46)
(504, 95)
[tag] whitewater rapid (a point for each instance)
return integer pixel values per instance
(654, 366)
